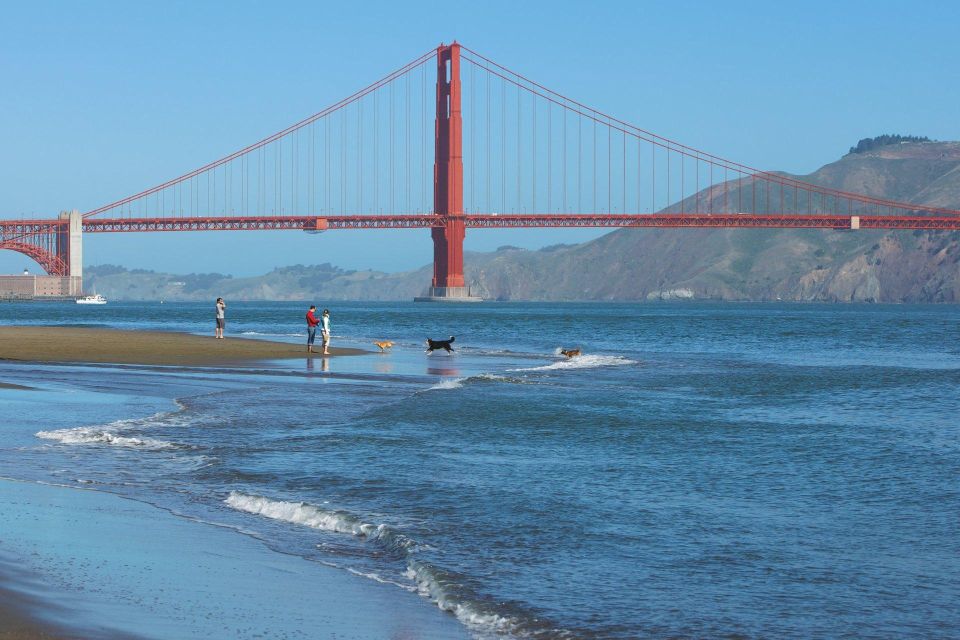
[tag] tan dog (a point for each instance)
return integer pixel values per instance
(570, 352)
(386, 344)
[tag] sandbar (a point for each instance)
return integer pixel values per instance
(18, 387)
(116, 346)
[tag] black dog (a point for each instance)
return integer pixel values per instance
(440, 344)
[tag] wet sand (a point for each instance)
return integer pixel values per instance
(82, 344)
(14, 625)
(98, 565)
(20, 387)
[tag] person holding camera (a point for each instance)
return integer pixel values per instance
(221, 318)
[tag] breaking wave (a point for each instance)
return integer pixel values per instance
(430, 582)
(94, 435)
(458, 383)
(111, 433)
(582, 362)
(449, 383)
(316, 517)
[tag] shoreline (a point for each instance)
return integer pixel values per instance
(19, 619)
(102, 576)
(61, 344)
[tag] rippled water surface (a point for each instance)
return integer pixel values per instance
(701, 471)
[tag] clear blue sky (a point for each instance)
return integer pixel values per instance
(102, 99)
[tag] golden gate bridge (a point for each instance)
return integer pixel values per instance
(453, 140)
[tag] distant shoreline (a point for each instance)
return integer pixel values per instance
(116, 346)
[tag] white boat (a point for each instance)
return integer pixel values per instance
(96, 299)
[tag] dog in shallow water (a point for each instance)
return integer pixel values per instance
(570, 353)
(440, 344)
(386, 344)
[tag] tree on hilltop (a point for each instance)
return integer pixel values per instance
(868, 144)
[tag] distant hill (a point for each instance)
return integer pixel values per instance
(650, 264)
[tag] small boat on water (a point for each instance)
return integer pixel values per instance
(95, 299)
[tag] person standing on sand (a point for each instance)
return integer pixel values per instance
(221, 318)
(312, 323)
(325, 332)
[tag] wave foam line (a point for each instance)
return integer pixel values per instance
(458, 383)
(94, 435)
(315, 517)
(431, 583)
(582, 362)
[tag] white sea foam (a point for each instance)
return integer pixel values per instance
(582, 362)
(429, 582)
(95, 435)
(111, 432)
(458, 383)
(318, 518)
(430, 585)
(448, 383)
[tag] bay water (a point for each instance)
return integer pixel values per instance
(701, 471)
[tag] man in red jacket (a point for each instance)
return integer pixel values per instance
(312, 323)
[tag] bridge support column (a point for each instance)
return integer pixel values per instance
(448, 283)
(70, 249)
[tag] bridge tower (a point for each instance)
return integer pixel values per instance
(69, 248)
(448, 283)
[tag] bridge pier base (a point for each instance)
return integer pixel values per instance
(448, 283)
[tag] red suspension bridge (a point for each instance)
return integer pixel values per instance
(483, 147)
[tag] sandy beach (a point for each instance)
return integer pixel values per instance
(15, 626)
(82, 344)
(161, 576)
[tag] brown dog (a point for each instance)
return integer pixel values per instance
(570, 352)
(386, 344)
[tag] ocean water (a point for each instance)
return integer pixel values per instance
(702, 471)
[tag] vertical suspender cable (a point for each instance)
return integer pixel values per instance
(360, 165)
(549, 156)
(533, 155)
(519, 162)
(407, 142)
(390, 152)
(594, 167)
(472, 123)
(653, 178)
(423, 135)
(488, 134)
(503, 144)
(669, 202)
(579, 164)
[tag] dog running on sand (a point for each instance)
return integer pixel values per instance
(570, 353)
(440, 344)
(386, 344)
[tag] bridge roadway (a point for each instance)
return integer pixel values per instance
(12, 229)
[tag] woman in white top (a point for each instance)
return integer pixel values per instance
(325, 331)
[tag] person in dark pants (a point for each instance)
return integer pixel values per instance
(312, 323)
(221, 318)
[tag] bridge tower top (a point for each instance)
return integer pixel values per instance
(448, 157)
